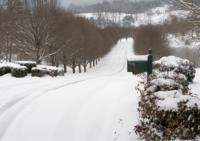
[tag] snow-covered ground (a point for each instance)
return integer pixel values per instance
(187, 40)
(100, 105)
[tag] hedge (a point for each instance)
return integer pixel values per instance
(42, 70)
(167, 108)
(28, 64)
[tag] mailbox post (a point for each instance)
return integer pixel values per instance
(150, 62)
(141, 63)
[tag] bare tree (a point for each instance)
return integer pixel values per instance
(34, 29)
(193, 7)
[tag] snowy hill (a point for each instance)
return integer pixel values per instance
(157, 15)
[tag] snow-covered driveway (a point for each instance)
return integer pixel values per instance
(100, 105)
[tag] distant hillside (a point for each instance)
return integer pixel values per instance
(125, 6)
(157, 15)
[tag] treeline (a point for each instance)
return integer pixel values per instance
(156, 38)
(40, 30)
(118, 6)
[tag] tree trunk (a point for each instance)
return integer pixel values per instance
(93, 63)
(38, 61)
(90, 64)
(79, 68)
(6, 56)
(65, 67)
(96, 61)
(7, 51)
(10, 52)
(57, 63)
(73, 66)
(38, 58)
(53, 63)
(85, 67)
(64, 62)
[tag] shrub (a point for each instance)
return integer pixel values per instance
(15, 69)
(38, 72)
(178, 65)
(41, 71)
(167, 108)
(19, 71)
(4, 70)
(28, 64)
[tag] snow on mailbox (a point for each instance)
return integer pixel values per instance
(140, 63)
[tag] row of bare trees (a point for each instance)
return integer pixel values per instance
(40, 30)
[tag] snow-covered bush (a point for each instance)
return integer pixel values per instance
(167, 108)
(176, 64)
(4, 70)
(42, 70)
(21, 71)
(28, 64)
(15, 69)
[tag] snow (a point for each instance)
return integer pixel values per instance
(48, 68)
(98, 105)
(171, 75)
(188, 40)
(11, 65)
(25, 62)
(168, 100)
(172, 61)
(138, 58)
(161, 82)
(196, 84)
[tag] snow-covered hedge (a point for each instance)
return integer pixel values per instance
(4, 70)
(42, 70)
(179, 65)
(19, 72)
(21, 69)
(28, 64)
(15, 69)
(167, 108)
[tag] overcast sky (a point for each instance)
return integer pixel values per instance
(67, 2)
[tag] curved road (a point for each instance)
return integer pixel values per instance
(100, 105)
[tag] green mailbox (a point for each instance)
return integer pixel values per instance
(140, 63)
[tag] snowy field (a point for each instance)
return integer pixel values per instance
(100, 105)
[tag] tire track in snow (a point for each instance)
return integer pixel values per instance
(8, 114)
(11, 103)
(86, 97)
(18, 84)
(77, 114)
(12, 116)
